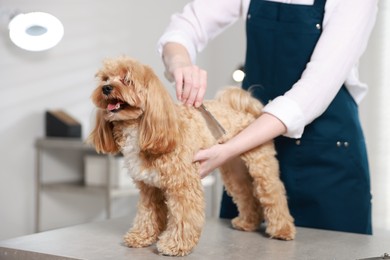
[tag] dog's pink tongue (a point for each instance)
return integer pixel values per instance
(111, 107)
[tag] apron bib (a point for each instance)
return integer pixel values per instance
(326, 171)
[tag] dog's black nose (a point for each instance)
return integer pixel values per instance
(107, 89)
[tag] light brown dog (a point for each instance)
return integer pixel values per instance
(158, 138)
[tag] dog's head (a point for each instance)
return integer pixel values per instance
(130, 91)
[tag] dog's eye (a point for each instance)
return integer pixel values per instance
(126, 81)
(104, 78)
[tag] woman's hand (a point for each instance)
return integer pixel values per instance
(211, 158)
(191, 83)
(190, 80)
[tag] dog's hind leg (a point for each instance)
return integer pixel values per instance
(150, 220)
(238, 184)
(270, 191)
(185, 201)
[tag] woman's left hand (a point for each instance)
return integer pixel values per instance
(211, 158)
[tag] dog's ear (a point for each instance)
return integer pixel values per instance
(102, 136)
(158, 126)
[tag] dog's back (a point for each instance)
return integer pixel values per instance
(234, 108)
(240, 100)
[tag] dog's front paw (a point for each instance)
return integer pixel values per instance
(170, 248)
(176, 244)
(138, 239)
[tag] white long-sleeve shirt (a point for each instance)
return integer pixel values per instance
(346, 27)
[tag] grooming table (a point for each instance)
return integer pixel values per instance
(103, 240)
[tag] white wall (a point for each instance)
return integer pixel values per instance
(375, 114)
(63, 78)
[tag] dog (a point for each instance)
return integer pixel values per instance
(136, 116)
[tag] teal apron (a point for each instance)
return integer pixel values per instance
(326, 171)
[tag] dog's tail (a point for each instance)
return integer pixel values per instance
(240, 100)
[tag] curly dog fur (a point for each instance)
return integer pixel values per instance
(158, 138)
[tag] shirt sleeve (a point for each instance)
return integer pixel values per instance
(346, 28)
(199, 22)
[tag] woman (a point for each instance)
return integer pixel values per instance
(301, 62)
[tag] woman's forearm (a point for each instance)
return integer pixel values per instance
(262, 130)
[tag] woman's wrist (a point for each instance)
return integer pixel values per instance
(230, 150)
(175, 56)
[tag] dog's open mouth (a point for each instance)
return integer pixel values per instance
(116, 105)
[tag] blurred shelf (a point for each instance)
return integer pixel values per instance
(73, 145)
(79, 187)
(63, 143)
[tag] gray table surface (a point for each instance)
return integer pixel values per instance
(103, 240)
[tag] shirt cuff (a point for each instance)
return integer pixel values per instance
(178, 37)
(289, 112)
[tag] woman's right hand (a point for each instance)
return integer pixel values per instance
(190, 80)
(191, 83)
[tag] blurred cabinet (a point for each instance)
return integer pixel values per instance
(47, 149)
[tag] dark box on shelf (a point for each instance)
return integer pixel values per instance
(60, 124)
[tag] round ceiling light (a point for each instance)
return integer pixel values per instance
(36, 31)
(238, 75)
